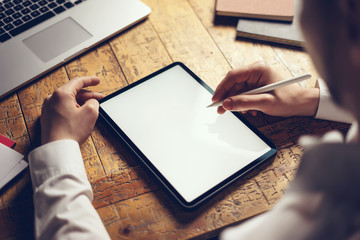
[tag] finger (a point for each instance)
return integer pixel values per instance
(47, 99)
(91, 109)
(76, 84)
(233, 77)
(221, 110)
(249, 75)
(258, 102)
(253, 113)
(84, 95)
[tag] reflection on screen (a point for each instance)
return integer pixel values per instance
(191, 145)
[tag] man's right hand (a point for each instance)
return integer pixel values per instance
(291, 100)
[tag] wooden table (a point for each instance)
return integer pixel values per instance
(129, 201)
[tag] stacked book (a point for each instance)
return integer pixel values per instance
(12, 162)
(266, 20)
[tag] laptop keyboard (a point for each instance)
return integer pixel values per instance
(17, 16)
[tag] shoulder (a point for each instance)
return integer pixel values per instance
(330, 168)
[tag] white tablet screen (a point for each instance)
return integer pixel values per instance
(191, 145)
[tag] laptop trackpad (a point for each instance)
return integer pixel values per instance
(57, 39)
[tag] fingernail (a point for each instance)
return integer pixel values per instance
(228, 104)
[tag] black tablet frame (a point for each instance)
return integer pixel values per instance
(132, 146)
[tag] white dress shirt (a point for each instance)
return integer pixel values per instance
(63, 195)
(301, 213)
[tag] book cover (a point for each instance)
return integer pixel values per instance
(282, 10)
(273, 31)
(12, 163)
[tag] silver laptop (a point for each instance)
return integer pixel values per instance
(32, 44)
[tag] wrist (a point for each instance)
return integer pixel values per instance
(308, 102)
(54, 136)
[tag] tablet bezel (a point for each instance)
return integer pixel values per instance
(132, 146)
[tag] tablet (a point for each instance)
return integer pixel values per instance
(192, 150)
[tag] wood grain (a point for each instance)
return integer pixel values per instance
(140, 52)
(14, 197)
(186, 40)
(130, 202)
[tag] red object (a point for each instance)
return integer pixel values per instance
(7, 141)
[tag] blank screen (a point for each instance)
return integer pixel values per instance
(191, 145)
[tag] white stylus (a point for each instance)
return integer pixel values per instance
(270, 87)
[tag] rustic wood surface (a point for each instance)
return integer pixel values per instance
(129, 201)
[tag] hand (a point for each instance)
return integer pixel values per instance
(70, 112)
(291, 100)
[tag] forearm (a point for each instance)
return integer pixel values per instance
(308, 101)
(62, 194)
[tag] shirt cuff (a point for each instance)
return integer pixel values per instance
(328, 109)
(54, 159)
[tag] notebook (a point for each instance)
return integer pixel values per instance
(282, 10)
(273, 31)
(12, 163)
(36, 36)
(192, 150)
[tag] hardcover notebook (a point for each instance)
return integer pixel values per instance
(12, 163)
(192, 150)
(282, 10)
(273, 31)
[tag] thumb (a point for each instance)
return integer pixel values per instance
(90, 109)
(259, 102)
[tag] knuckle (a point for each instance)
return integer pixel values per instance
(92, 109)
(47, 99)
(262, 67)
(58, 93)
(267, 100)
(230, 74)
(75, 78)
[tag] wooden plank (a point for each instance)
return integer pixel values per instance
(298, 62)
(102, 63)
(143, 218)
(236, 51)
(140, 51)
(121, 186)
(109, 216)
(17, 222)
(16, 214)
(12, 125)
(32, 97)
(186, 40)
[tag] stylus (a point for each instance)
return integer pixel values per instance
(270, 87)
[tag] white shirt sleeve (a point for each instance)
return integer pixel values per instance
(328, 109)
(292, 217)
(63, 194)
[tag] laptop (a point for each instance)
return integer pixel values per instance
(37, 36)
